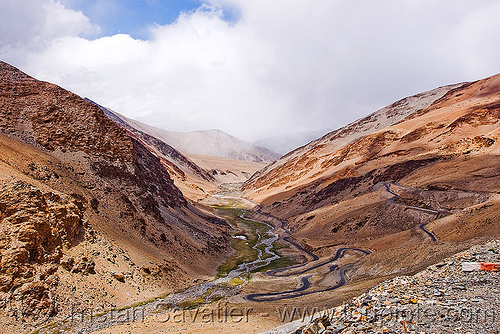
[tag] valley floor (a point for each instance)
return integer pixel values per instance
(270, 280)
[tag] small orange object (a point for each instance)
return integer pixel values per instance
(490, 266)
(476, 266)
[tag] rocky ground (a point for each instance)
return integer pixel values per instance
(440, 299)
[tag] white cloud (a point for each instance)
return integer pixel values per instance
(283, 66)
(31, 24)
(60, 21)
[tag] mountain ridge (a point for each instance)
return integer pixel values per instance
(391, 114)
(212, 142)
(195, 182)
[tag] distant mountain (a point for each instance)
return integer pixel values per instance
(218, 144)
(195, 175)
(214, 143)
(288, 142)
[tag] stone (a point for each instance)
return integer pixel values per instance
(119, 277)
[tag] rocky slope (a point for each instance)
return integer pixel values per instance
(439, 299)
(83, 201)
(36, 226)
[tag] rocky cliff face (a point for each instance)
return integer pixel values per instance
(83, 199)
(36, 227)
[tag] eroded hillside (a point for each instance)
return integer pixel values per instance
(411, 182)
(89, 215)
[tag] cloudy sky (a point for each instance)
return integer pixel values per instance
(254, 68)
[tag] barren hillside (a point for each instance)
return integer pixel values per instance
(296, 168)
(89, 215)
(410, 182)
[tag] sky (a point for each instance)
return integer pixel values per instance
(256, 68)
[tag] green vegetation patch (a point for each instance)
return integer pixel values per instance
(244, 251)
(200, 300)
(281, 262)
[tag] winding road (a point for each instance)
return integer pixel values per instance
(421, 226)
(340, 251)
(267, 297)
(301, 291)
(305, 280)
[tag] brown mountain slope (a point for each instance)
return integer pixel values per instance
(88, 214)
(295, 168)
(432, 168)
